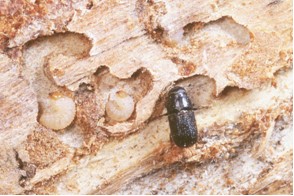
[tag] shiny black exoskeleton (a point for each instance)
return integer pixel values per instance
(181, 118)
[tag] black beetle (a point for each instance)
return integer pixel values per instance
(181, 118)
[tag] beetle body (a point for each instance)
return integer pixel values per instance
(181, 118)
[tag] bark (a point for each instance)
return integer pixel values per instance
(234, 58)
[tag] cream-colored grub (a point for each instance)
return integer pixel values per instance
(120, 106)
(57, 112)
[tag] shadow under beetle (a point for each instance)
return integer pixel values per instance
(181, 118)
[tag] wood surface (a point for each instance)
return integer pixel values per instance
(234, 58)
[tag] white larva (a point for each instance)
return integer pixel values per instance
(58, 112)
(120, 106)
